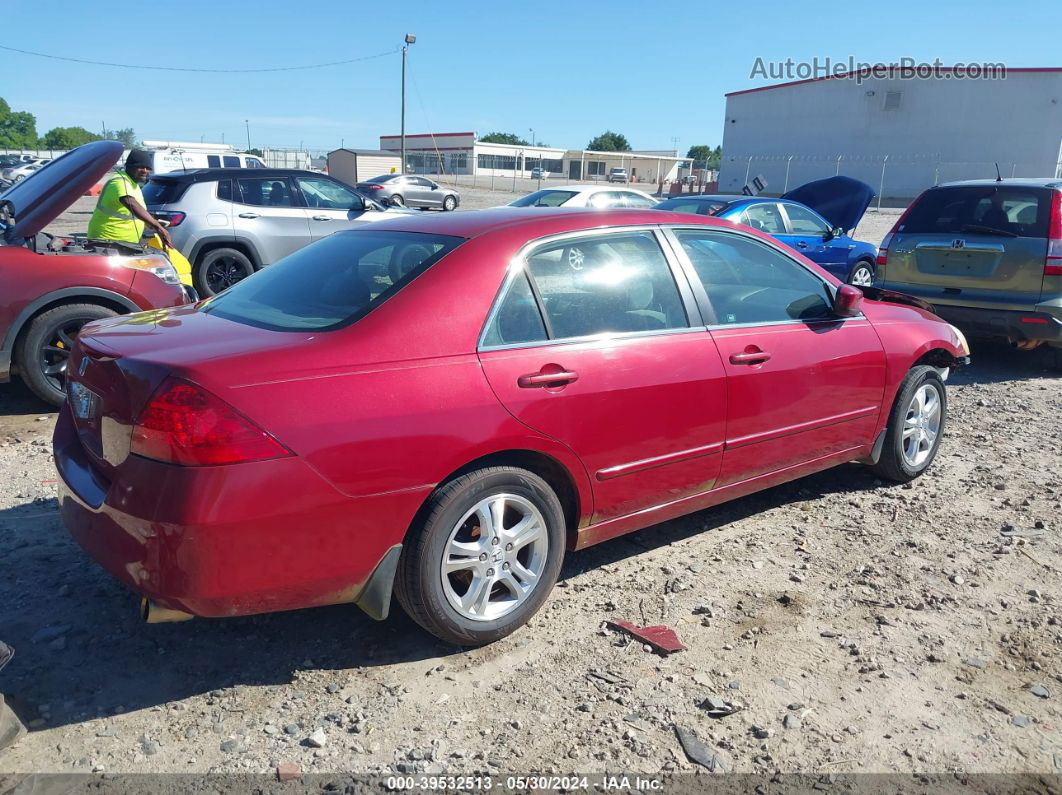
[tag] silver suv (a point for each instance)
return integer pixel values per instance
(231, 222)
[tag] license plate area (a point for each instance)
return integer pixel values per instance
(83, 401)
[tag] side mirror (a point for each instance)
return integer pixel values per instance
(834, 233)
(848, 301)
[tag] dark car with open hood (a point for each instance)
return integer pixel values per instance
(50, 287)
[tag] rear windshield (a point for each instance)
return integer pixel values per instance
(543, 198)
(333, 282)
(162, 191)
(1003, 210)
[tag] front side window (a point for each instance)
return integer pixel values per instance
(611, 283)
(804, 222)
(764, 217)
(332, 282)
(231, 161)
(265, 192)
(329, 195)
(750, 282)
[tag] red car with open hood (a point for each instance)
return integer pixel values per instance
(50, 286)
(441, 406)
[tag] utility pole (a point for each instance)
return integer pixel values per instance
(410, 39)
(247, 124)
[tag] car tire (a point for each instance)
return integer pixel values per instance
(449, 204)
(862, 274)
(40, 353)
(397, 200)
(1056, 357)
(453, 520)
(220, 268)
(914, 431)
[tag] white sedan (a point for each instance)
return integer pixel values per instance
(585, 196)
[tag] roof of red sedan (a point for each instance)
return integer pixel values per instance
(478, 222)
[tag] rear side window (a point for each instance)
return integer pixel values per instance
(544, 198)
(213, 161)
(267, 192)
(231, 161)
(332, 282)
(517, 319)
(1010, 210)
(611, 283)
(225, 189)
(163, 191)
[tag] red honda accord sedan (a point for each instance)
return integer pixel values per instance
(440, 406)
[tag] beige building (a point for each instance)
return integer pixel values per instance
(354, 165)
(463, 153)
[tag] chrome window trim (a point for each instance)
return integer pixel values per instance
(518, 263)
(608, 336)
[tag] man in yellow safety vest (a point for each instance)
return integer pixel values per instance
(121, 213)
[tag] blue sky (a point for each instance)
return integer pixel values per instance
(569, 70)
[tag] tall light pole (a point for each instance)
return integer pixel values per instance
(247, 124)
(532, 135)
(410, 39)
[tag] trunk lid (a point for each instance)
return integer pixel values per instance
(41, 197)
(980, 246)
(120, 362)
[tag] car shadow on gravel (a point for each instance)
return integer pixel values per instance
(83, 651)
(994, 361)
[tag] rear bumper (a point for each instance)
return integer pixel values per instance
(1002, 323)
(228, 540)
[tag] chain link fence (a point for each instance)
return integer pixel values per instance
(896, 178)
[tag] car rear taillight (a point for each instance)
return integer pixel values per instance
(184, 424)
(370, 187)
(1053, 263)
(172, 217)
(883, 249)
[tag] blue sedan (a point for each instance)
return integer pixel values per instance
(816, 219)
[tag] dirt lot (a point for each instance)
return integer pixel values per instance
(855, 625)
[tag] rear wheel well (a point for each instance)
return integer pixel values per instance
(547, 468)
(240, 246)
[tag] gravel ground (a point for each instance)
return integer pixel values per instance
(845, 624)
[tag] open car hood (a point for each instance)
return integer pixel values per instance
(41, 197)
(840, 200)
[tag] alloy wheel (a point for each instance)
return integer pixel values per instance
(862, 276)
(54, 354)
(494, 557)
(921, 425)
(222, 273)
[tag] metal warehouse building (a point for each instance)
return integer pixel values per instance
(463, 153)
(899, 133)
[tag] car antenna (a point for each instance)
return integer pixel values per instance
(998, 177)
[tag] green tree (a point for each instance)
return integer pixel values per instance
(67, 137)
(503, 138)
(18, 129)
(609, 141)
(256, 152)
(702, 153)
(125, 135)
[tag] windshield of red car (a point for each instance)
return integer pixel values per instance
(333, 282)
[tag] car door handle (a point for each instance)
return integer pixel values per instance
(248, 215)
(801, 244)
(547, 379)
(321, 218)
(750, 357)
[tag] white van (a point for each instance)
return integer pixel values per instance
(166, 160)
